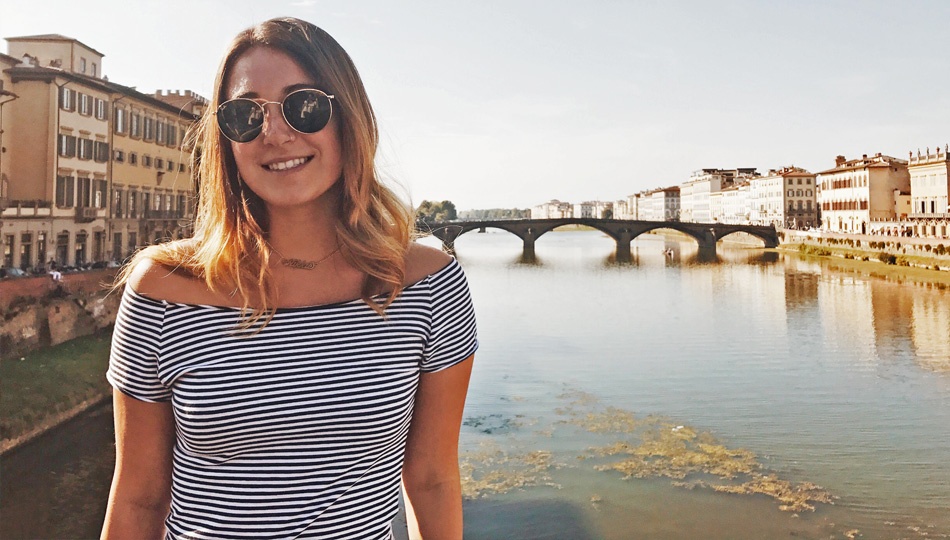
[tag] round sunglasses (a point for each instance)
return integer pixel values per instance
(307, 111)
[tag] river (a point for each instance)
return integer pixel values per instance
(671, 397)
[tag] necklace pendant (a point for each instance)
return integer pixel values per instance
(299, 264)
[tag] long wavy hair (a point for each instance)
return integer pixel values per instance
(229, 251)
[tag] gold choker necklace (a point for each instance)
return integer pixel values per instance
(302, 264)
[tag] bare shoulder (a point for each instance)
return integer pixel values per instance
(161, 282)
(422, 261)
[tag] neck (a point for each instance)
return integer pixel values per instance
(302, 233)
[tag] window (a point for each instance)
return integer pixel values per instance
(100, 109)
(101, 189)
(172, 136)
(120, 120)
(119, 156)
(133, 158)
(133, 210)
(100, 151)
(149, 131)
(85, 104)
(135, 125)
(67, 145)
(799, 181)
(85, 149)
(159, 163)
(790, 181)
(84, 192)
(160, 132)
(82, 65)
(65, 191)
(808, 193)
(181, 167)
(171, 165)
(93, 69)
(808, 181)
(791, 193)
(67, 99)
(146, 161)
(117, 203)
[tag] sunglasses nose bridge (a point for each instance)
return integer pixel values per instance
(272, 120)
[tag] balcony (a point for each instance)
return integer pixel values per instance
(925, 215)
(86, 214)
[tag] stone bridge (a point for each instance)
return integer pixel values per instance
(621, 230)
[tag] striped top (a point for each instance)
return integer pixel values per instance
(298, 431)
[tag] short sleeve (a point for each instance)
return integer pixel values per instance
(133, 361)
(453, 336)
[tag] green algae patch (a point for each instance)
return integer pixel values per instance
(493, 471)
(657, 447)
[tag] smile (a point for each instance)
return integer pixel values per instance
(284, 165)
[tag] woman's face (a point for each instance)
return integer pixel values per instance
(284, 167)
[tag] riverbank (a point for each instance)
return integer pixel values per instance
(890, 260)
(44, 388)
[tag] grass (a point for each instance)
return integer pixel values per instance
(38, 387)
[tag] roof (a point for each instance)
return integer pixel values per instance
(865, 162)
(48, 74)
(12, 60)
(52, 37)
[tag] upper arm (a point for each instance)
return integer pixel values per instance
(144, 443)
(432, 448)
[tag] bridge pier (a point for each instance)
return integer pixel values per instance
(623, 246)
(528, 239)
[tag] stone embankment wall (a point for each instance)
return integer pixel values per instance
(37, 313)
(936, 249)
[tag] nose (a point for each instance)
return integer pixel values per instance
(275, 130)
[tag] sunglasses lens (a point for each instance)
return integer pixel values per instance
(240, 120)
(307, 111)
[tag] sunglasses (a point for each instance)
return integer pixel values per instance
(307, 111)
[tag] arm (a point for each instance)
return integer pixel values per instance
(141, 486)
(431, 471)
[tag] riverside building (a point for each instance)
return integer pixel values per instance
(93, 169)
(930, 192)
(696, 192)
(854, 193)
(785, 197)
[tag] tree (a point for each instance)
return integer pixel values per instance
(436, 211)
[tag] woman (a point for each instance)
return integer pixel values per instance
(276, 373)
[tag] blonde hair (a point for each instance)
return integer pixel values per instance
(229, 251)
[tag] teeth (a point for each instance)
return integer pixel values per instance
(284, 165)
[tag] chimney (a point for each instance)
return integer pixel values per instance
(864, 156)
(839, 161)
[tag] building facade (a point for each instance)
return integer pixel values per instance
(785, 198)
(856, 192)
(930, 192)
(67, 174)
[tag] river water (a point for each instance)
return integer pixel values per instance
(618, 401)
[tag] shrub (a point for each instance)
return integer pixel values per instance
(887, 258)
(901, 261)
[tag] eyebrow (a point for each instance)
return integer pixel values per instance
(286, 90)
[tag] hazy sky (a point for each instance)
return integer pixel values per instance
(512, 103)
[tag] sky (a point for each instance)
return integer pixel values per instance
(503, 104)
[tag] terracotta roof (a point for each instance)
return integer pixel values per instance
(52, 37)
(878, 161)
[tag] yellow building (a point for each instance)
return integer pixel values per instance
(94, 169)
